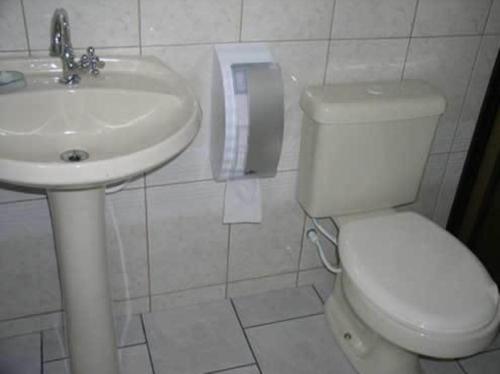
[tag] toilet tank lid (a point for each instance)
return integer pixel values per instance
(364, 102)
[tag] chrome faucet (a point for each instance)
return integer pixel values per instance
(60, 46)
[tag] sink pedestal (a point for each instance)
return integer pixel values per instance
(79, 230)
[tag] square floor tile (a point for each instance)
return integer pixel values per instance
(485, 363)
(21, 354)
(133, 360)
(196, 339)
(252, 369)
(297, 347)
(322, 280)
(431, 366)
(496, 342)
(128, 331)
(277, 305)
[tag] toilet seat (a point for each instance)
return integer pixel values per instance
(417, 285)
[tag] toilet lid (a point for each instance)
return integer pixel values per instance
(417, 273)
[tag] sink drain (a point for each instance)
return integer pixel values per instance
(74, 155)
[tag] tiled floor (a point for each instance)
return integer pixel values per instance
(278, 332)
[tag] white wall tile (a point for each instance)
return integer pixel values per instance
(485, 363)
(366, 60)
(189, 21)
(102, 52)
(476, 91)
(131, 307)
(10, 193)
(322, 280)
(20, 354)
(493, 25)
(429, 186)
(273, 246)
(106, 23)
(435, 60)
(28, 266)
(309, 257)
(188, 297)
(302, 64)
(126, 243)
(449, 187)
(16, 54)
(451, 17)
(286, 19)
(30, 324)
(12, 33)
(254, 286)
(195, 64)
(373, 18)
(433, 366)
(188, 242)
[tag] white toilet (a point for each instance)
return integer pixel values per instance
(407, 287)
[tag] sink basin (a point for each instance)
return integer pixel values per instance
(136, 115)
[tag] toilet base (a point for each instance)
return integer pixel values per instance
(368, 352)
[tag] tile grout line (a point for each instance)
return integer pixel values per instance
(317, 293)
(191, 181)
(301, 251)
(139, 22)
(222, 371)
(118, 348)
(41, 353)
(148, 245)
(241, 20)
(410, 38)
(23, 9)
(485, 26)
(226, 283)
(31, 316)
(246, 336)
(284, 320)
(461, 367)
(457, 123)
(147, 344)
(312, 40)
(329, 46)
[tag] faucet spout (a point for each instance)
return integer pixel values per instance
(60, 46)
(60, 36)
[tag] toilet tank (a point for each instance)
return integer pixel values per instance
(364, 146)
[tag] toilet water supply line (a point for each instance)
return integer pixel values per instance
(312, 235)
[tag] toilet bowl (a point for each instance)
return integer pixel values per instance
(406, 287)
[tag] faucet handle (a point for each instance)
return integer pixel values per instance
(91, 61)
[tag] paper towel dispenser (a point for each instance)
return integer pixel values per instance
(247, 113)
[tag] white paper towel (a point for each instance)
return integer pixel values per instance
(243, 201)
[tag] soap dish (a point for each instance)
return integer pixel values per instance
(11, 81)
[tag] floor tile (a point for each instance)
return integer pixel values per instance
(252, 369)
(297, 347)
(133, 360)
(496, 342)
(21, 354)
(485, 363)
(128, 331)
(260, 285)
(196, 339)
(56, 367)
(321, 279)
(277, 305)
(431, 366)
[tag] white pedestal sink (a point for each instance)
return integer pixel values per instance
(73, 141)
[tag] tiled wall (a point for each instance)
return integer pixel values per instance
(167, 244)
